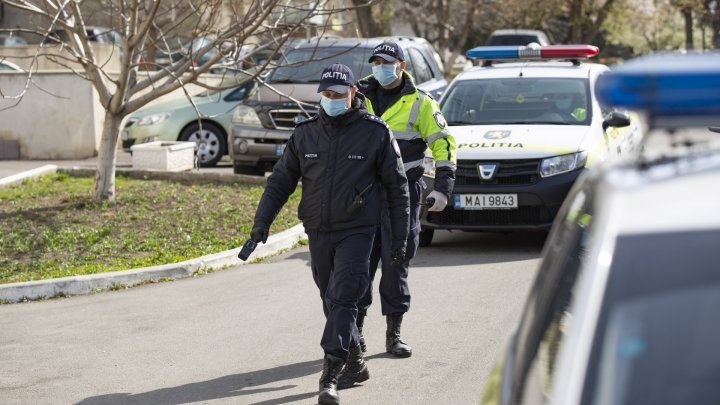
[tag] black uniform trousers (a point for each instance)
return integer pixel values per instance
(394, 290)
(339, 262)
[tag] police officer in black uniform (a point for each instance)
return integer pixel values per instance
(347, 160)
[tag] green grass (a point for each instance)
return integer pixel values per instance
(51, 227)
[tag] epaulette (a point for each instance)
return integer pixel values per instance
(426, 93)
(375, 118)
(313, 118)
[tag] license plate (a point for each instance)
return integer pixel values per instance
(279, 148)
(124, 135)
(486, 201)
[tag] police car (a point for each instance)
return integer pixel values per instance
(624, 308)
(525, 131)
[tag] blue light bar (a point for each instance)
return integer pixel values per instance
(665, 85)
(494, 52)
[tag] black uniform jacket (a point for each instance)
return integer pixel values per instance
(337, 158)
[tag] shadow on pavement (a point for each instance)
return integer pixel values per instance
(224, 387)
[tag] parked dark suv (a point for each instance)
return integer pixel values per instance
(262, 124)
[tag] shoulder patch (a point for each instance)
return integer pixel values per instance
(440, 120)
(376, 119)
(305, 121)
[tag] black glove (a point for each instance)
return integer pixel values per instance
(398, 254)
(259, 234)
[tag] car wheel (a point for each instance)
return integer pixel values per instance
(210, 141)
(247, 169)
(426, 237)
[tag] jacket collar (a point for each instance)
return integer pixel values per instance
(354, 113)
(369, 85)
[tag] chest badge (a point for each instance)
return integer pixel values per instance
(356, 157)
(311, 156)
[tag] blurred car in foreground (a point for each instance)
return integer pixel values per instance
(525, 131)
(179, 120)
(623, 310)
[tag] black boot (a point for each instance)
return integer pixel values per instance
(360, 321)
(393, 343)
(328, 380)
(355, 370)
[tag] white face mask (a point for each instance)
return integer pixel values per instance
(385, 73)
(334, 106)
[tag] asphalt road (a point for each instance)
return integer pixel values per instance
(250, 335)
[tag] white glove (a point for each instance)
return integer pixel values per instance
(441, 201)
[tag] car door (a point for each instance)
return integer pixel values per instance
(547, 313)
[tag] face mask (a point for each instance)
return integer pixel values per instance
(385, 73)
(333, 107)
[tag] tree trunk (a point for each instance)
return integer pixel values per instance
(689, 43)
(105, 174)
(365, 21)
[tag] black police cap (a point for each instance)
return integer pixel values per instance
(336, 77)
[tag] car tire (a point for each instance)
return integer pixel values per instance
(210, 143)
(426, 237)
(239, 168)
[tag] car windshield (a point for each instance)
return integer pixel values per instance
(520, 100)
(517, 39)
(659, 329)
(306, 65)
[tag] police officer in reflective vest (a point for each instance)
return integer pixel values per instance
(348, 161)
(417, 123)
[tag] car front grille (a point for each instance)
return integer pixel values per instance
(285, 118)
(128, 143)
(509, 172)
(528, 215)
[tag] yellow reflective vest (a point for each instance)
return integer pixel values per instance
(417, 124)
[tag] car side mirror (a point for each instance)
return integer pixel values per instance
(617, 119)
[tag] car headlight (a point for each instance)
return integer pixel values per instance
(153, 119)
(562, 164)
(245, 115)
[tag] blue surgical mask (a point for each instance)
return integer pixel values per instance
(333, 107)
(385, 73)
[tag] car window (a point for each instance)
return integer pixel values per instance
(240, 93)
(547, 315)
(306, 65)
(518, 39)
(658, 328)
(522, 100)
(422, 70)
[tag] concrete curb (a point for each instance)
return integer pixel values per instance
(80, 285)
(191, 177)
(27, 175)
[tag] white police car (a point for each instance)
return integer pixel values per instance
(524, 132)
(624, 308)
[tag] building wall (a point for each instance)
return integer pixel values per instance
(60, 115)
(56, 118)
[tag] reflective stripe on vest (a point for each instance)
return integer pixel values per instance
(415, 111)
(437, 135)
(413, 164)
(407, 135)
(445, 163)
